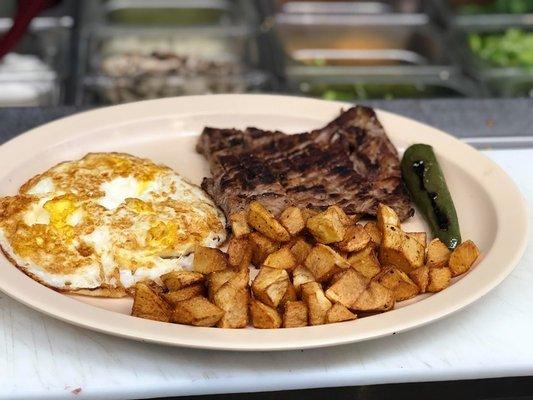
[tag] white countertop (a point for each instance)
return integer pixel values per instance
(41, 358)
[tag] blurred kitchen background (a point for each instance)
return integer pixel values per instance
(95, 52)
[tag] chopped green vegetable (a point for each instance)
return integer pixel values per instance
(513, 48)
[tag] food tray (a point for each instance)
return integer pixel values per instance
(497, 81)
(168, 12)
(351, 7)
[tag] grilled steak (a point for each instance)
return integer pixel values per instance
(350, 162)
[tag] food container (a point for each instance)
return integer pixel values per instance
(135, 64)
(359, 40)
(382, 83)
(33, 73)
(500, 74)
(351, 7)
(168, 12)
(484, 12)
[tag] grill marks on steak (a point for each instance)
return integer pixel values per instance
(350, 162)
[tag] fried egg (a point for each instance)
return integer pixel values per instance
(102, 223)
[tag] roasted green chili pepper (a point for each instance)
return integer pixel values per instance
(424, 179)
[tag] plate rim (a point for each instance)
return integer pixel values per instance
(311, 337)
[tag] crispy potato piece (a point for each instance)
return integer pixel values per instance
(215, 280)
(308, 213)
(301, 275)
(239, 224)
(345, 219)
(400, 250)
(241, 278)
(263, 221)
(207, 260)
(347, 288)
(270, 285)
(300, 250)
(366, 262)
(438, 254)
(375, 298)
(263, 316)
(185, 293)
(281, 259)
(290, 295)
(197, 311)
(176, 280)
(261, 247)
(148, 304)
(324, 262)
(420, 237)
(463, 257)
(327, 226)
(239, 252)
(317, 302)
(292, 219)
(339, 313)
(355, 239)
(420, 276)
(373, 231)
(439, 278)
(294, 314)
(401, 285)
(234, 301)
(386, 216)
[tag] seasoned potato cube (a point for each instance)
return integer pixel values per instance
(239, 224)
(197, 311)
(420, 276)
(366, 262)
(263, 316)
(263, 221)
(261, 247)
(185, 293)
(401, 285)
(280, 259)
(463, 257)
(176, 280)
(294, 314)
(345, 219)
(241, 278)
(300, 250)
(375, 298)
(239, 252)
(323, 262)
(207, 260)
(317, 302)
(373, 231)
(413, 251)
(290, 295)
(438, 254)
(339, 313)
(439, 278)
(149, 305)
(234, 301)
(356, 238)
(347, 288)
(386, 216)
(327, 226)
(293, 220)
(420, 237)
(301, 275)
(270, 285)
(308, 213)
(215, 280)
(400, 250)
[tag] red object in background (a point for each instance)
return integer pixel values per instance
(26, 11)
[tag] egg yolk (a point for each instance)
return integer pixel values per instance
(60, 208)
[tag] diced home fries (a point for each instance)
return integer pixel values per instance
(314, 267)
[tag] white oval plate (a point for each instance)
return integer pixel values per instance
(491, 210)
